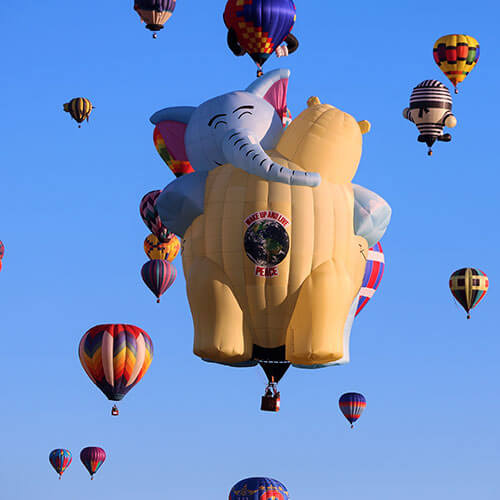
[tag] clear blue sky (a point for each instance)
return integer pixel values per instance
(69, 220)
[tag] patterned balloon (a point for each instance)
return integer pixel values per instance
(165, 251)
(79, 108)
(158, 275)
(60, 460)
(151, 218)
(469, 286)
(155, 13)
(168, 138)
(456, 55)
(260, 25)
(115, 357)
(352, 405)
(92, 458)
(2, 250)
(258, 488)
(374, 271)
(430, 110)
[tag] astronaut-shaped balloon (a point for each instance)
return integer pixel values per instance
(430, 111)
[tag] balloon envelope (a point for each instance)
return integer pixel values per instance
(60, 460)
(92, 458)
(149, 215)
(260, 25)
(456, 55)
(469, 286)
(159, 276)
(115, 357)
(2, 250)
(155, 13)
(374, 271)
(258, 488)
(352, 405)
(155, 249)
(79, 108)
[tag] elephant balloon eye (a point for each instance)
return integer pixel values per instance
(215, 118)
(219, 122)
(244, 112)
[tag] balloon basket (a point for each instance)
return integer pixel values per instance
(155, 36)
(271, 399)
(468, 316)
(429, 153)
(157, 301)
(456, 90)
(114, 411)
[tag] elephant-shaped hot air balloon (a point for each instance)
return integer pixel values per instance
(275, 236)
(60, 459)
(259, 27)
(115, 357)
(430, 111)
(456, 55)
(258, 488)
(155, 13)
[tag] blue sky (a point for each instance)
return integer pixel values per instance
(69, 220)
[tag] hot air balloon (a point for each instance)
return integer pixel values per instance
(150, 216)
(115, 357)
(166, 140)
(155, 13)
(79, 108)
(352, 405)
(2, 251)
(258, 488)
(456, 55)
(159, 275)
(469, 286)
(430, 111)
(374, 271)
(165, 251)
(60, 460)
(92, 458)
(259, 27)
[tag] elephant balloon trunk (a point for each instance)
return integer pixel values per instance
(244, 152)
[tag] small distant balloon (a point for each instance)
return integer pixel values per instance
(159, 276)
(149, 215)
(352, 405)
(79, 108)
(92, 458)
(456, 55)
(258, 488)
(155, 13)
(469, 286)
(165, 251)
(60, 459)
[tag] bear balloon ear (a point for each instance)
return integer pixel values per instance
(273, 87)
(364, 126)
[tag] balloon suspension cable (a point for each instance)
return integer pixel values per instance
(362, 251)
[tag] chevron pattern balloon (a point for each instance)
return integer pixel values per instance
(115, 357)
(151, 218)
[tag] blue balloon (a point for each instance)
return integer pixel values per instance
(258, 488)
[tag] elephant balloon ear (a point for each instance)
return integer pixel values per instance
(273, 87)
(169, 138)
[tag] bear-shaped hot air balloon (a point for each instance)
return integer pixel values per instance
(275, 235)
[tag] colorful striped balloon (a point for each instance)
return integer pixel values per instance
(352, 405)
(159, 276)
(115, 357)
(92, 458)
(150, 216)
(260, 25)
(258, 488)
(374, 270)
(60, 460)
(79, 108)
(165, 251)
(469, 286)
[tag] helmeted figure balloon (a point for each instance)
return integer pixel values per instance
(115, 357)
(92, 458)
(79, 108)
(275, 236)
(352, 405)
(259, 27)
(258, 488)
(456, 55)
(60, 459)
(430, 110)
(155, 13)
(469, 286)
(2, 252)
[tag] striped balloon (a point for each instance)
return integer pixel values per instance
(149, 214)
(374, 270)
(469, 286)
(79, 108)
(158, 275)
(115, 357)
(165, 251)
(155, 13)
(352, 405)
(92, 458)
(60, 460)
